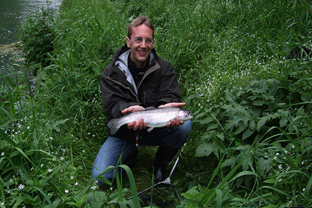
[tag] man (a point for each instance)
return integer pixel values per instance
(137, 79)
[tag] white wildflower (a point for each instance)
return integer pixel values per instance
(2, 153)
(66, 191)
(93, 187)
(21, 186)
(49, 170)
(76, 184)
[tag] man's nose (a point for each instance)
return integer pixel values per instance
(143, 44)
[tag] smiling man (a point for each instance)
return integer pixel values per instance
(136, 79)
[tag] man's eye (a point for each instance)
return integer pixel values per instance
(148, 41)
(138, 40)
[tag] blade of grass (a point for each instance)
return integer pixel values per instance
(308, 187)
(45, 196)
(219, 197)
(12, 107)
(277, 190)
(119, 186)
(133, 188)
(1, 189)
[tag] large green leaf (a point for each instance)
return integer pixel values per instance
(205, 149)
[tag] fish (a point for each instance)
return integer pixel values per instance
(155, 118)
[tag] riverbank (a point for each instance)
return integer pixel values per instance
(12, 52)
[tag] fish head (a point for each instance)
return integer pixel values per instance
(185, 114)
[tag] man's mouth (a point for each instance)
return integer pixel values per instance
(142, 53)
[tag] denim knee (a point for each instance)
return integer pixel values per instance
(178, 136)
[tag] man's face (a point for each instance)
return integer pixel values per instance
(140, 44)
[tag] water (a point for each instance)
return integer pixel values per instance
(13, 12)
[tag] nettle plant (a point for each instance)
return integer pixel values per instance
(267, 112)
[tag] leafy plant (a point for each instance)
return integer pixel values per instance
(38, 35)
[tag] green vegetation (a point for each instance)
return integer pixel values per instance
(252, 133)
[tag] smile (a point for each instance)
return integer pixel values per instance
(142, 52)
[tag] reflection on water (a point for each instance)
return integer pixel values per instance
(13, 12)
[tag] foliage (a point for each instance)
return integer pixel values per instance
(265, 127)
(37, 35)
(252, 128)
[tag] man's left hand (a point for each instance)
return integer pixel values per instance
(173, 122)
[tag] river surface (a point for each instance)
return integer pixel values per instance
(14, 12)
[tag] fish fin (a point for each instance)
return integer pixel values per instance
(113, 126)
(150, 129)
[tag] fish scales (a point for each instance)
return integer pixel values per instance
(154, 118)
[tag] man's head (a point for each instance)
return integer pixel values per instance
(140, 21)
(140, 40)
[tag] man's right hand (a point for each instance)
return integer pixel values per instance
(136, 125)
(133, 109)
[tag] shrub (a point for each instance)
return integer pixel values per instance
(37, 35)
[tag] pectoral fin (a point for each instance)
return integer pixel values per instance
(150, 129)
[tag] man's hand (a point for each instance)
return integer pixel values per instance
(173, 122)
(135, 124)
(172, 105)
(133, 109)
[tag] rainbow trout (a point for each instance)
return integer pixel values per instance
(154, 118)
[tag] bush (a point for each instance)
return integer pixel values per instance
(38, 35)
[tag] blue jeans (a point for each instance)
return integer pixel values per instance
(114, 148)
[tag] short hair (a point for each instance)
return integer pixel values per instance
(140, 21)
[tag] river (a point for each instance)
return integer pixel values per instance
(13, 12)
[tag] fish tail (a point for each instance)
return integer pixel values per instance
(113, 126)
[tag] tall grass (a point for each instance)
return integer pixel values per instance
(252, 126)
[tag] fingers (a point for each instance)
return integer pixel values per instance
(132, 109)
(174, 123)
(137, 125)
(172, 105)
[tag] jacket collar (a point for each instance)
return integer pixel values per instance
(120, 59)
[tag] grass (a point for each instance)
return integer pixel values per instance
(251, 138)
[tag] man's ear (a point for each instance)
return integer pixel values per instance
(128, 42)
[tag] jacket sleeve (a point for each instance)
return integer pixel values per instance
(115, 99)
